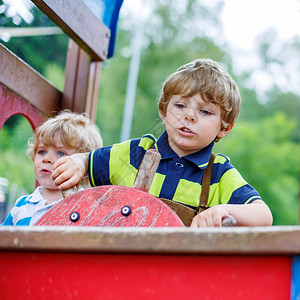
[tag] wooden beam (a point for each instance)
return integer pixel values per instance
(276, 240)
(24, 81)
(79, 23)
(81, 82)
(93, 90)
(12, 104)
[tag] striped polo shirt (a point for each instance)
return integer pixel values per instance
(177, 178)
(28, 209)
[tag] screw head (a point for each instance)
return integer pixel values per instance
(126, 210)
(74, 217)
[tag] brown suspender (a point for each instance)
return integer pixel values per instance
(185, 213)
(206, 185)
(145, 176)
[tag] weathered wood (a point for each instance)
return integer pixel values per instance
(147, 170)
(76, 78)
(81, 82)
(12, 104)
(70, 75)
(93, 90)
(79, 23)
(276, 240)
(24, 81)
(111, 205)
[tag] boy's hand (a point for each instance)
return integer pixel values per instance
(256, 213)
(212, 217)
(69, 170)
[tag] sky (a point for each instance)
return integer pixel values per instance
(244, 20)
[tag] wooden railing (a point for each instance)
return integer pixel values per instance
(24, 91)
(150, 263)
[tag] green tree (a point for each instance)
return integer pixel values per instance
(15, 165)
(269, 160)
(37, 51)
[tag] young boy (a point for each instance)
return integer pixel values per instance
(63, 135)
(199, 105)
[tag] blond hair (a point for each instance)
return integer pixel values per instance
(76, 131)
(203, 76)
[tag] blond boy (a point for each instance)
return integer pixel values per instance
(65, 134)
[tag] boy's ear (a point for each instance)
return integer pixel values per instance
(223, 132)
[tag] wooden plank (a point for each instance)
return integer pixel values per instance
(24, 81)
(11, 104)
(93, 90)
(277, 240)
(147, 170)
(85, 276)
(79, 23)
(111, 205)
(70, 75)
(81, 82)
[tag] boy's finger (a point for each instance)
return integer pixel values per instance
(59, 162)
(66, 182)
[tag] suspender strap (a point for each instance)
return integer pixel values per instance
(206, 184)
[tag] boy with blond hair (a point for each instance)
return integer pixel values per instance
(60, 136)
(198, 104)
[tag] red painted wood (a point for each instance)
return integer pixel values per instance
(101, 206)
(12, 104)
(29, 275)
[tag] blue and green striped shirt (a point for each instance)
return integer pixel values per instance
(177, 178)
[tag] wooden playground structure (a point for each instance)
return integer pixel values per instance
(59, 262)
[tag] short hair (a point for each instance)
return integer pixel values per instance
(76, 131)
(206, 77)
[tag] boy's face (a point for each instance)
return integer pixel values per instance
(45, 157)
(192, 124)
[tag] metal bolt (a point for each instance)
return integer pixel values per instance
(74, 217)
(126, 210)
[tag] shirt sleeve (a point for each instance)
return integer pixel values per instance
(9, 220)
(228, 186)
(98, 168)
(117, 164)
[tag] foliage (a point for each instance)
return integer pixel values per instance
(15, 165)
(267, 158)
(55, 73)
(37, 51)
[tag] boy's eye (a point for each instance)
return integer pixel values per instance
(42, 152)
(61, 153)
(179, 105)
(205, 112)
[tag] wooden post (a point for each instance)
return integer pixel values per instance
(81, 81)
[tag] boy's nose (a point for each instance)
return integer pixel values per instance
(190, 116)
(48, 158)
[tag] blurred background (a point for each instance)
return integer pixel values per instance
(258, 43)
